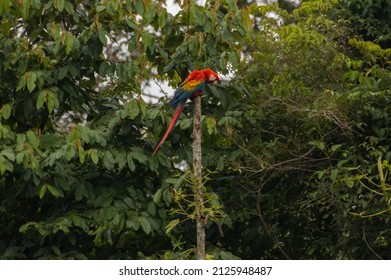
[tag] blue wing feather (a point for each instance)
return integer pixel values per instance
(182, 95)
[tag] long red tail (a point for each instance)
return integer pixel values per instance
(171, 126)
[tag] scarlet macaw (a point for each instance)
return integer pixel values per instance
(191, 87)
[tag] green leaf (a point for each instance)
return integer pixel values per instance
(129, 202)
(211, 125)
(199, 15)
(152, 113)
(62, 72)
(20, 138)
(234, 59)
(49, 141)
(23, 62)
(104, 200)
(130, 161)
(319, 144)
(228, 256)
(108, 160)
(168, 67)
(34, 163)
(79, 222)
(69, 8)
(5, 6)
(232, 5)
(147, 40)
(37, 226)
(149, 15)
(94, 156)
(135, 224)
(153, 163)
(172, 181)
(102, 36)
(335, 147)
(20, 157)
(21, 83)
(142, 105)
(167, 196)
(139, 156)
(134, 109)
(140, 7)
(32, 138)
(25, 8)
(349, 183)
(52, 101)
(171, 225)
(155, 223)
(41, 99)
(32, 78)
(100, 8)
(2, 164)
(104, 68)
(162, 213)
(36, 4)
(162, 18)
(42, 191)
(151, 208)
(79, 193)
(123, 71)
(25, 226)
(131, 24)
(59, 5)
(145, 225)
(185, 123)
(41, 230)
(68, 42)
(220, 163)
(6, 111)
(112, 6)
(157, 196)
(333, 174)
(6, 25)
(55, 250)
(8, 153)
(82, 154)
(246, 20)
(132, 45)
(70, 151)
(73, 70)
(54, 191)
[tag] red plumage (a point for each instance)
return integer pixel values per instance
(191, 87)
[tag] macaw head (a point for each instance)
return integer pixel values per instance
(211, 77)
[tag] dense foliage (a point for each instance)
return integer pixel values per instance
(296, 145)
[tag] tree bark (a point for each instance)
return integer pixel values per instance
(198, 191)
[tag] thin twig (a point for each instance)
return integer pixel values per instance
(369, 247)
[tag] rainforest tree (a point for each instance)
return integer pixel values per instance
(295, 138)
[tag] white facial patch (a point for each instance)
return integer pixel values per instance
(212, 78)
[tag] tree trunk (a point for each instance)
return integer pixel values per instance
(198, 191)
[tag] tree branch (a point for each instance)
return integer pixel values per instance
(197, 166)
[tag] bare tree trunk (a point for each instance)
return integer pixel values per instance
(198, 191)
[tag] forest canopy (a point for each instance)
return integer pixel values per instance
(296, 137)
